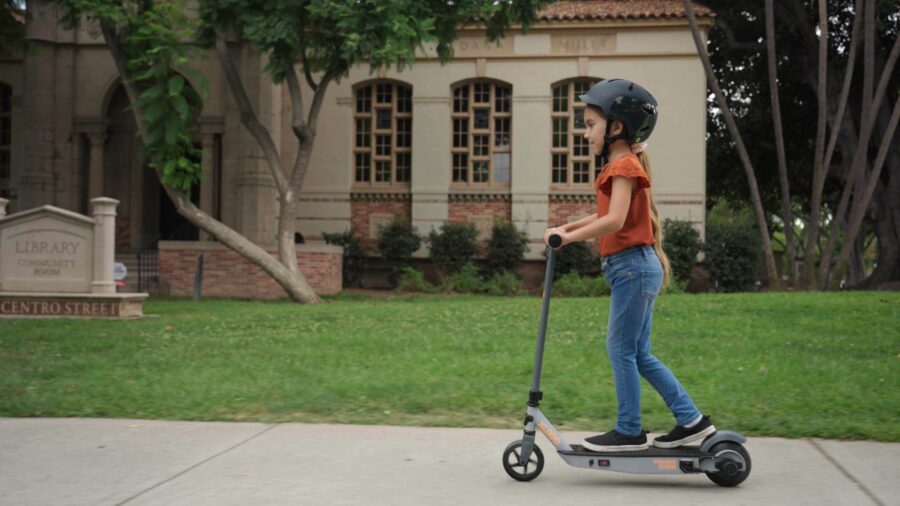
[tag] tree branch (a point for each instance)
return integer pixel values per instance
(308, 73)
(297, 122)
(248, 116)
(319, 98)
(860, 205)
(299, 292)
(791, 266)
(118, 54)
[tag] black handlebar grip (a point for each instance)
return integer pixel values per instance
(555, 241)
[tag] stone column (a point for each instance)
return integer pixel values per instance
(431, 165)
(103, 209)
(531, 170)
(207, 179)
(3, 203)
(95, 176)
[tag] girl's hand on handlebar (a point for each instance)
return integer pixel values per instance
(555, 231)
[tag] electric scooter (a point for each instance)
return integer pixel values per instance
(721, 455)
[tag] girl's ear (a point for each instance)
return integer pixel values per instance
(617, 127)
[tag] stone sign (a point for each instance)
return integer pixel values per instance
(47, 250)
(55, 262)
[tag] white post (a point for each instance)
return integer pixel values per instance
(103, 209)
(3, 203)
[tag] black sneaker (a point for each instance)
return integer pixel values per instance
(613, 441)
(681, 435)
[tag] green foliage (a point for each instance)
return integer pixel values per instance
(574, 285)
(504, 283)
(334, 35)
(397, 241)
(452, 247)
(353, 255)
(681, 242)
(152, 38)
(506, 247)
(413, 280)
(466, 280)
(12, 25)
(733, 248)
(575, 257)
(675, 287)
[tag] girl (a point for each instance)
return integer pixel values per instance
(619, 116)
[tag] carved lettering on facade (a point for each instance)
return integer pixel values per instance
(583, 44)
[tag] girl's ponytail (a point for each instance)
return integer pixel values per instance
(654, 221)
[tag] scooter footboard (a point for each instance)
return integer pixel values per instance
(651, 461)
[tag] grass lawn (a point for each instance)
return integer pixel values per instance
(781, 364)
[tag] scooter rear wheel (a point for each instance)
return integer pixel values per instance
(527, 472)
(734, 464)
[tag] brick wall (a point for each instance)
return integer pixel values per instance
(227, 274)
(568, 208)
(123, 233)
(369, 211)
(462, 211)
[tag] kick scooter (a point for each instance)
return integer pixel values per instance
(721, 455)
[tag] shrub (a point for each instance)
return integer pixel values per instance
(681, 242)
(675, 287)
(412, 280)
(453, 246)
(732, 249)
(396, 242)
(466, 280)
(575, 257)
(504, 283)
(506, 247)
(353, 255)
(574, 285)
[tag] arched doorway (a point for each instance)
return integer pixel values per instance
(146, 214)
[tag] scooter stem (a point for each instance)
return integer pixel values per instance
(542, 328)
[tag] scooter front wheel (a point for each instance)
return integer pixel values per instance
(522, 472)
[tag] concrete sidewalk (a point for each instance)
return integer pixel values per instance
(138, 462)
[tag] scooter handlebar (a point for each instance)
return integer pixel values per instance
(555, 241)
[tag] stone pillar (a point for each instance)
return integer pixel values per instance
(95, 176)
(207, 179)
(3, 203)
(103, 209)
(530, 171)
(431, 166)
(36, 181)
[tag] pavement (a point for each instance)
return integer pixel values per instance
(77, 461)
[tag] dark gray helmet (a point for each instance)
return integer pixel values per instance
(625, 101)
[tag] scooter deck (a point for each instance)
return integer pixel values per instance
(680, 452)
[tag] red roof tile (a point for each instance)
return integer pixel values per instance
(568, 10)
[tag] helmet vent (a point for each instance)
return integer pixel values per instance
(631, 87)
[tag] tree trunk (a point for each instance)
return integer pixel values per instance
(887, 230)
(774, 281)
(826, 97)
(294, 284)
(865, 197)
(791, 266)
(859, 165)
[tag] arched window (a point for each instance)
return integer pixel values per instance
(5, 138)
(382, 146)
(572, 165)
(482, 135)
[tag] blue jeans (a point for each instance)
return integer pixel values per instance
(635, 276)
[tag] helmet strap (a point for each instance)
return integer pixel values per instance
(608, 140)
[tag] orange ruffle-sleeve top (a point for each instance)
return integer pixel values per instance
(637, 230)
